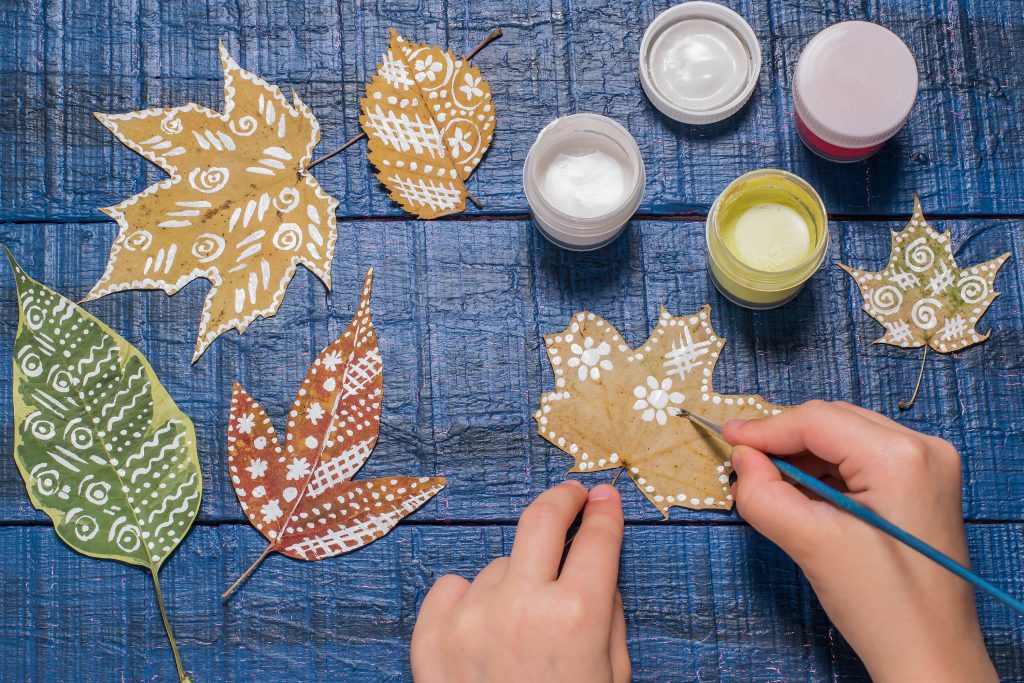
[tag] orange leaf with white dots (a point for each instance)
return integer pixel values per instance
(301, 496)
(614, 407)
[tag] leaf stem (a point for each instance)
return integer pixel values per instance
(341, 149)
(491, 37)
(906, 404)
(247, 572)
(182, 676)
(618, 474)
(474, 200)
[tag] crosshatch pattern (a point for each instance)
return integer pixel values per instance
(460, 306)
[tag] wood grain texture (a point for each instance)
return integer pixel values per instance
(59, 62)
(461, 304)
(714, 604)
(460, 307)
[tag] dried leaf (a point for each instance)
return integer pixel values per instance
(429, 118)
(612, 407)
(240, 208)
(922, 297)
(301, 497)
(102, 447)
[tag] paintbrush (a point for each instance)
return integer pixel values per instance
(864, 513)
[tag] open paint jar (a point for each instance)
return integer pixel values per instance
(853, 89)
(584, 179)
(699, 62)
(767, 234)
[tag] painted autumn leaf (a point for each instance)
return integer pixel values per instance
(429, 118)
(301, 496)
(922, 298)
(239, 209)
(102, 447)
(613, 407)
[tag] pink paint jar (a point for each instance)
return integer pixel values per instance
(853, 89)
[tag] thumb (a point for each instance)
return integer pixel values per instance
(773, 506)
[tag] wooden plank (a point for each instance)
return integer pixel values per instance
(714, 604)
(461, 305)
(60, 62)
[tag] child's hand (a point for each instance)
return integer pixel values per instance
(908, 618)
(523, 620)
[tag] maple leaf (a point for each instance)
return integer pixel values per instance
(613, 407)
(301, 496)
(922, 298)
(239, 208)
(429, 118)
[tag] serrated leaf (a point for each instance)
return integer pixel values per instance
(429, 118)
(612, 407)
(102, 447)
(301, 496)
(240, 208)
(922, 297)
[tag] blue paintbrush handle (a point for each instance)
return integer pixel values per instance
(854, 508)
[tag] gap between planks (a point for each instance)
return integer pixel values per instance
(519, 216)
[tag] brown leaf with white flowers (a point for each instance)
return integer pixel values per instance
(613, 407)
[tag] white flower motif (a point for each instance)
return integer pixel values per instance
(314, 412)
(297, 468)
(472, 86)
(654, 398)
(271, 511)
(246, 423)
(588, 359)
(459, 139)
(332, 360)
(427, 68)
(257, 468)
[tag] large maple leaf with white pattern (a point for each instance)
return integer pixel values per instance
(239, 209)
(300, 495)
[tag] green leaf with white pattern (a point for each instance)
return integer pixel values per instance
(102, 447)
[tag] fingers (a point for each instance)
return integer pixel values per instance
(829, 431)
(445, 594)
(490, 575)
(772, 505)
(540, 536)
(593, 561)
(617, 649)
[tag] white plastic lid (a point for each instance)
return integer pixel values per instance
(699, 62)
(855, 84)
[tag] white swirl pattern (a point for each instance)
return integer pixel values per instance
(973, 288)
(887, 299)
(209, 180)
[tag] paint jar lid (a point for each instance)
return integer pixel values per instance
(699, 62)
(855, 84)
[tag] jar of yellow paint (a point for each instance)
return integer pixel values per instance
(767, 234)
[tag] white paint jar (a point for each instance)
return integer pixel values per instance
(584, 178)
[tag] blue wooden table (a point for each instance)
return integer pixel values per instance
(461, 304)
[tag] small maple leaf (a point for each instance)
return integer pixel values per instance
(301, 496)
(429, 118)
(239, 208)
(922, 298)
(613, 407)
